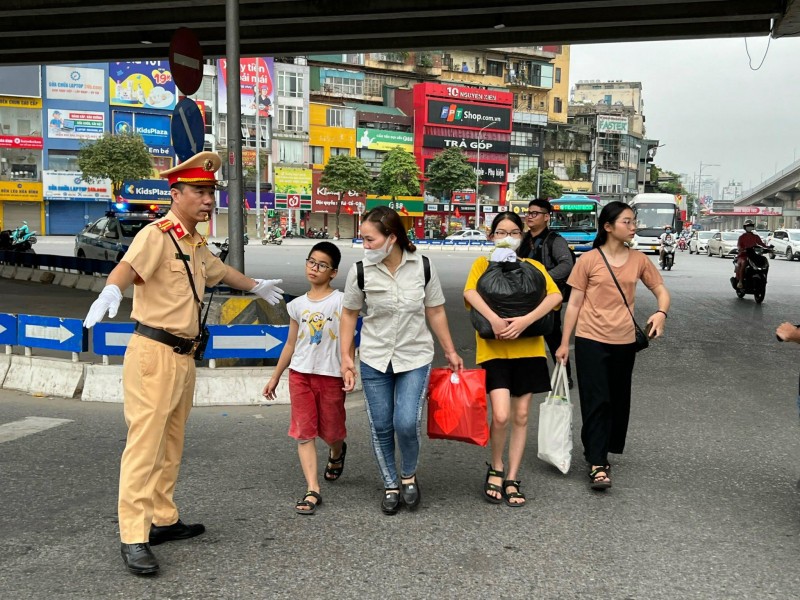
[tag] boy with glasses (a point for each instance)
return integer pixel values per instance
(316, 387)
(551, 249)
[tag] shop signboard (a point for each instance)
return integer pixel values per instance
(255, 84)
(325, 200)
(154, 129)
(462, 114)
(84, 84)
(23, 142)
(489, 172)
(141, 84)
(69, 185)
(406, 206)
(468, 93)
(293, 201)
(764, 211)
(13, 190)
(67, 124)
(291, 180)
(146, 189)
(453, 141)
(382, 140)
(267, 200)
(16, 102)
(612, 124)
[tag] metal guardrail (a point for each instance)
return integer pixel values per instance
(52, 261)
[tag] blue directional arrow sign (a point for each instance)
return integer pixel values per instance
(8, 329)
(111, 339)
(188, 130)
(246, 341)
(52, 333)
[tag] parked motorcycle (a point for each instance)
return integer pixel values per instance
(755, 275)
(668, 255)
(273, 237)
(20, 239)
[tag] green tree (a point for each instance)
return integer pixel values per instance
(345, 174)
(115, 157)
(399, 174)
(548, 185)
(450, 171)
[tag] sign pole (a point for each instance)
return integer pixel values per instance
(258, 156)
(235, 204)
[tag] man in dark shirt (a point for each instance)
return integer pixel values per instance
(551, 249)
(747, 240)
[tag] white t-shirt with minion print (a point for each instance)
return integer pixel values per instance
(317, 347)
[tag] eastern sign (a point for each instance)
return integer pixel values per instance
(442, 141)
(384, 140)
(612, 124)
(462, 114)
(53, 333)
(246, 341)
(8, 329)
(111, 339)
(188, 130)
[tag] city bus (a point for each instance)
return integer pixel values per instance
(575, 218)
(653, 213)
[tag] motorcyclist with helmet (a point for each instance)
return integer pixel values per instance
(665, 237)
(746, 241)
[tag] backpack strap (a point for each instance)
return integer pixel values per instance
(426, 267)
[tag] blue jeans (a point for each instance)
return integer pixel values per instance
(394, 406)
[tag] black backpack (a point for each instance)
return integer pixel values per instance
(561, 283)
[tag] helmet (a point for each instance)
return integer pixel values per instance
(748, 223)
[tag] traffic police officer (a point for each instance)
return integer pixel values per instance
(158, 371)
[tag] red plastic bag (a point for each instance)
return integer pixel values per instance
(457, 406)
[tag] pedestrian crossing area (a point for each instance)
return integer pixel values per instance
(28, 426)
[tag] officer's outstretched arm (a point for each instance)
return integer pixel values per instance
(109, 299)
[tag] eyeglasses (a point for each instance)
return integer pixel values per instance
(533, 213)
(627, 222)
(319, 266)
(504, 233)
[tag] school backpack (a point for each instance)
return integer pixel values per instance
(426, 267)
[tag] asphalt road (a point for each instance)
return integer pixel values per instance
(704, 503)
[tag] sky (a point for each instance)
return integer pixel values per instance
(705, 104)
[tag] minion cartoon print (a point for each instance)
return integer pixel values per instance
(316, 326)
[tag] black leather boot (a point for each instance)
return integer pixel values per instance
(177, 531)
(139, 558)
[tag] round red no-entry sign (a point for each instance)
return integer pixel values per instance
(186, 60)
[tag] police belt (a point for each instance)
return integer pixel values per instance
(179, 345)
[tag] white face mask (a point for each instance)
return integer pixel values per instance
(509, 242)
(376, 255)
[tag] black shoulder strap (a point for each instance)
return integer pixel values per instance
(426, 267)
(624, 299)
(201, 319)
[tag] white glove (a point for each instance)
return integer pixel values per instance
(268, 290)
(107, 301)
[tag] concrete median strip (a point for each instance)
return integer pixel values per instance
(46, 376)
(5, 362)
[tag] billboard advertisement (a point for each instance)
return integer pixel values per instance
(454, 141)
(69, 185)
(66, 124)
(84, 84)
(21, 141)
(141, 84)
(611, 124)
(256, 86)
(290, 180)
(323, 200)
(146, 189)
(154, 129)
(383, 140)
(462, 114)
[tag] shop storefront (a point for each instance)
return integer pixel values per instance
(477, 121)
(71, 203)
(27, 206)
(410, 209)
(444, 218)
(324, 205)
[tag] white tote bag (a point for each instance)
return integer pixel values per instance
(555, 422)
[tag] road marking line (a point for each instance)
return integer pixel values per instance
(28, 426)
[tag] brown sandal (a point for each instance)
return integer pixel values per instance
(599, 478)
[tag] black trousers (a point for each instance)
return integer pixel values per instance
(604, 383)
(553, 339)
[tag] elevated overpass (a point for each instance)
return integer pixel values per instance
(66, 31)
(774, 202)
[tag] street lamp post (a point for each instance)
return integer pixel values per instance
(477, 179)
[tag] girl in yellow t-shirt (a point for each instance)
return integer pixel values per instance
(516, 367)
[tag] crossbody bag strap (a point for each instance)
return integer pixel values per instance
(201, 320)
(624, 299)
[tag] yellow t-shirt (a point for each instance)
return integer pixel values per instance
(522, 347)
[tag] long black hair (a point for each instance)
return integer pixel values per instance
(387, 221)
(505, 216)
(609, 214)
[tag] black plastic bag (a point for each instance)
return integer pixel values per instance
(512, 289)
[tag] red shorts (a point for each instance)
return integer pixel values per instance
(317, 407)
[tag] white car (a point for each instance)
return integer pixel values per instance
(698, 243)
(723, 244)
(787, 243)
(467, 234)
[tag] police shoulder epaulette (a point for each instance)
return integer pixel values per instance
(164, 225)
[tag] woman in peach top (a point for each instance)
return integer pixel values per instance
(604, 340)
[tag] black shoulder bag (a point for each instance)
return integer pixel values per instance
(642, 341)
(201, 341)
